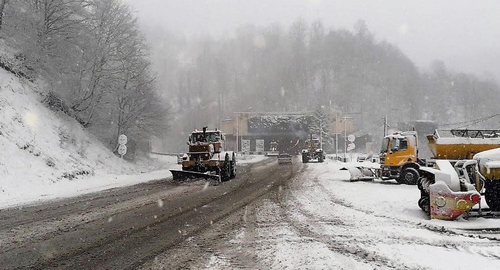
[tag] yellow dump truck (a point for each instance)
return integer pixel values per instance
(462, 144)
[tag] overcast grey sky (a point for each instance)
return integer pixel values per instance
(465, 34)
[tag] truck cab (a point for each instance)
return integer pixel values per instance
(399, 156)
(313, 150)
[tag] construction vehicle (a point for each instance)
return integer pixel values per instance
(474, 156)
(207, 157)
(465, 165)
(313, 150)
(399, 158)
(273, 149)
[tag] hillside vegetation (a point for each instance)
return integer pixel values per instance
(308, 65)
(93, 62)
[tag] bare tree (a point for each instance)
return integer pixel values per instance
(2, 7)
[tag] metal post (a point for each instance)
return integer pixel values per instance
(336, 135)
(385, 126)
(345, 139)
(237, 133)
(320, 135)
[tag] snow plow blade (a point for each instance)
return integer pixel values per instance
(449, 205)
(359, 173)
(272, 154)
(185, 175)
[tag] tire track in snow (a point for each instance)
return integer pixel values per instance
(449, 244)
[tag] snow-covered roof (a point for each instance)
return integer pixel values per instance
(208, 131)
(401, 135)
(493, 154)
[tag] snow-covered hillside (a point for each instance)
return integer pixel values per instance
(41, 150)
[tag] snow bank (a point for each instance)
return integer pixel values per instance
(44, 154)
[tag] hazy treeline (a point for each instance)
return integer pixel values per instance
(306, 65)
(94, 60)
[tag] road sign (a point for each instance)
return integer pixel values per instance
(245, 145)
(122, 139)
(122, 149)
(351, 138)
(351, 147)
(259, 145)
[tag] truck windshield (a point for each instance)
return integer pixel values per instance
(385, 145)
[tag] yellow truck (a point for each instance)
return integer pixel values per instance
(464, 166)
(399, 158)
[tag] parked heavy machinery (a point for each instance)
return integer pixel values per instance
(207, 157)
(465, 165)
(313, 150)
(273, 149)
(399, 158)
(448, 193)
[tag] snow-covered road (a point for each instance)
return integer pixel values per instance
(322, 221)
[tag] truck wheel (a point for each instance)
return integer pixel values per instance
(225, 172)
(320, 158)
(424, 204)
(233, 167)
(408, 176)
(305, 159)
(492, 195)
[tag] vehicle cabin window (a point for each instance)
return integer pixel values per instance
(403, 145)
(399, 144)
(211, 137)
(385, 145)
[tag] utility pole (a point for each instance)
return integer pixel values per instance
(385, 126)
(237, 132)
(320, 135)
(345, 138)
(336, 135)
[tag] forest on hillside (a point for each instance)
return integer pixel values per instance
(101, 69)
(305, 66)
(92, 61)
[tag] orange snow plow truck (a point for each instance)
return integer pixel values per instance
(466, 165)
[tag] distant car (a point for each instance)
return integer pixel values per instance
(284, 158)
(362, 158)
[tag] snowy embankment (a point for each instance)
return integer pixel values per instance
(47, 155)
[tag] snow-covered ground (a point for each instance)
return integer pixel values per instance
(323, 221)
(46, 155)
(247, 159)
(43, 191)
